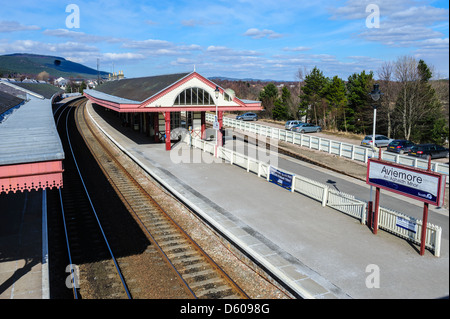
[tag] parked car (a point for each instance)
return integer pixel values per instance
(423, 150)
(290, 124)
(380, 141)
(306, 128)
(247, 117)
(400, 146)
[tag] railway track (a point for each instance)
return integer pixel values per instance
(83, 232)
(202, 277)
(96, 249)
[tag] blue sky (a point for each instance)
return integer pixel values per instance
(261, 39)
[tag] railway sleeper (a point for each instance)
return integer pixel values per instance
(221, 294)
(207, 281)
(178, 252)
(212, 291)
(208, 285)
(200, 273)
(164, 232)
(167, 239)
(187, 260)
(192, 267)
(154, 229)
(174, 245)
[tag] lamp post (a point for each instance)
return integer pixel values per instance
(375, 95)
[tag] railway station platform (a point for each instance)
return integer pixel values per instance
(23, 246)
(31, 156)
(317, 251)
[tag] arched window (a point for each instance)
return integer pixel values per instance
(194, 96)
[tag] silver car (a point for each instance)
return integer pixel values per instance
(380, 141)
(247, 117)
(290, 124)
(306, 128)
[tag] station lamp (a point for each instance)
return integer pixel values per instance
(375, 95)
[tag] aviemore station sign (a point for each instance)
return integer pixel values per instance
(425, 186)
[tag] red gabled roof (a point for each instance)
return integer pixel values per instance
(124, 97)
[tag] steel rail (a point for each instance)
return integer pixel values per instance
(95, 212)
(130, 206)
(66, 106)
(75, 294)
(176, 225)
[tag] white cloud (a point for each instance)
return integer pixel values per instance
(402, 23)
(194, 23)
(149, 44)
(296, 49)
(225, 51)
(30, 46)
(14, 26)
(183, 61)
(80, 36)
(259, 34)
(122, 56)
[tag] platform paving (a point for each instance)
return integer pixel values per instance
(23, 267)
(318, 251)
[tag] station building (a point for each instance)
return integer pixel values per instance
(157, 105)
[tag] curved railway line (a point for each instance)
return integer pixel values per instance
(128, 247)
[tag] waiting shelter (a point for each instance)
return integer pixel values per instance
(157, 105)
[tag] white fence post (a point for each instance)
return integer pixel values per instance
(437, 242)
(364, 214)
(325, 196)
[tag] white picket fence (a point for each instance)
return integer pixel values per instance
(354, 152)
(345, 203)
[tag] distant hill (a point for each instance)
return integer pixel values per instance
(33, 64)
(223, 78)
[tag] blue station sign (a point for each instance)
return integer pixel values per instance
(425, 186)
(280, 178)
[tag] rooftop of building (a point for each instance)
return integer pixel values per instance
(139, 89)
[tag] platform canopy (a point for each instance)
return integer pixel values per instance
(31, 151)
(168, 93)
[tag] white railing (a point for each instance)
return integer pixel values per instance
(388, 220)
(339, 201)
(354, 152)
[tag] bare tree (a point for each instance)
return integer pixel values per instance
(417, 102)
(388, 87)
(407, 75)
(296, 100)
(43, 76)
